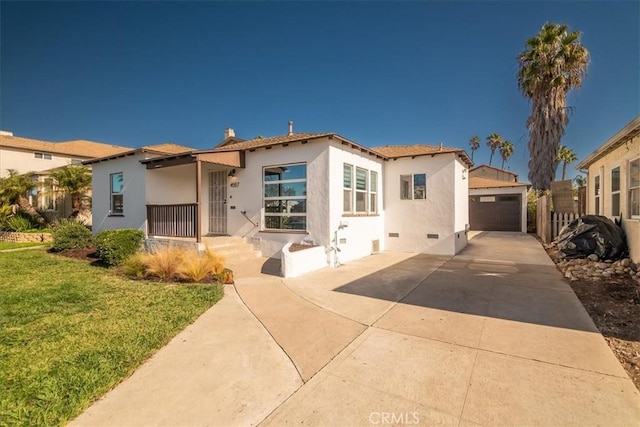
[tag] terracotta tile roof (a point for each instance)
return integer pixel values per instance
(74, 148)
(397, 151)
(167, 148)
(479, 182)
(163, 149)
(275, 140)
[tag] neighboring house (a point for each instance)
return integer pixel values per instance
(613, 182)
(497, 201)
(26, 155)
(318, 187)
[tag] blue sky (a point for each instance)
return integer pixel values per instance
(137, 73)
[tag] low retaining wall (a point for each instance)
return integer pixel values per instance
(303, 261)
(10, 236)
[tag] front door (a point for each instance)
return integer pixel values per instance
(218, 202)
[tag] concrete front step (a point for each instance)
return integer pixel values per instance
(231, 247)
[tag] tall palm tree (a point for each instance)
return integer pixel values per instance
(72, 180)
(566, 156)
(14, 190)
(494, 141)
(580, 181)
(553, 63)
(506, 150)
(474, 142)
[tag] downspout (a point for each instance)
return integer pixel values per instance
(198, 207)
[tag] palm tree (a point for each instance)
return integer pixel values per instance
(72, 180)
(553, 63)
(494, 141)
(474, 142)
(580, 181)
(506, 150)
(565, 155)
(14, 190)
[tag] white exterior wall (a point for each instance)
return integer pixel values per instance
(248, 196)
(24, 161)
(362, 229)
(414, 219)
(620, 157)
(507, 190)
(461, 205)
(172, 185)
(134, 196)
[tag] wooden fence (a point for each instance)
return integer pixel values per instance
(548, 223)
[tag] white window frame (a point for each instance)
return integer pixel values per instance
(633, 189)
(347, 189)
(112, 193)
(410, 193)
(364, 192)
(373, 192)
(44, 156)
(615, 212)
(265, 199)
(597, 189)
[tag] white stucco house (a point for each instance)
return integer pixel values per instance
(318, 187)
(613, 182)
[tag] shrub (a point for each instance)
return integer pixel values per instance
(197, 268)
(134, 266)
(165, 263)
(226, 276)
(17, 223)
(115, 246)
(69, 234)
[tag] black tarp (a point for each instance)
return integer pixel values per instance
(593, 234)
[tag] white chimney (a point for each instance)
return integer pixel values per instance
(6, 133)
(290, 127)
(228, 133)
(441, 146)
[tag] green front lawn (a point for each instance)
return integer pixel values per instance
(70, 331)
(11, 245)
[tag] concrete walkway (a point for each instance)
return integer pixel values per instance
(492, 336)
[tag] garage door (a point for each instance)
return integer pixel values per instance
(499, 212)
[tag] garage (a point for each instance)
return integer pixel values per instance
(495, 212)
(497, 204)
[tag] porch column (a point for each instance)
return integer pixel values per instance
(198, 208)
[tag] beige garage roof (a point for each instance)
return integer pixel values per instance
(74, 148)
(479, 182)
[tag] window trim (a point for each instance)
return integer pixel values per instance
(266, 214)
(411, 190)
(112, 211)
(346, 166)
(42, 155)
(373, 193)
(354, 191)
(364, 191)
(597, 189)
(631, 189)
(615, 192)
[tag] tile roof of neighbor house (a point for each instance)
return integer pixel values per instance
(628, 132)
(480, 182)
(162, 149)
(398, 151)
(73, 148)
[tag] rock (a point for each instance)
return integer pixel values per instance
(602, 265)
(606, 275)
(593, 257)
(625, 262)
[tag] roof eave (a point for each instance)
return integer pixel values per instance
(628, 132)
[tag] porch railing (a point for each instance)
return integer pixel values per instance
(172, 220)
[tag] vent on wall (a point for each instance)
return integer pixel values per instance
(433, 236)
(394, 234)
(375, 246)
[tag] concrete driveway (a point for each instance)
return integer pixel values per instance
(492, 336)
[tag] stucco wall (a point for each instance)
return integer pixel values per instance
(362, 229)
(24, 161)
(412, 220)
(620, 157)
(172, 185)
(248, 196)
(134, 196)
(522, 191)
(461, 205)
(491, 173)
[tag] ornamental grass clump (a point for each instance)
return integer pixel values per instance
(196, 267)
(165, 263)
